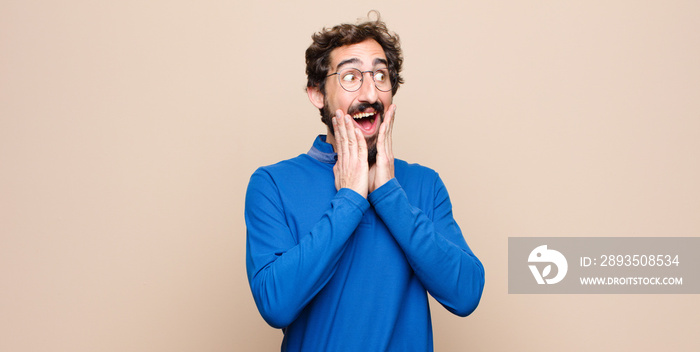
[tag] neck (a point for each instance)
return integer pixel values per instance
(330, 138)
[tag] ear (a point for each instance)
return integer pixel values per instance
(315, 96)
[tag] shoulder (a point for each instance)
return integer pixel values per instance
(269, 179)
(300, 162)
(294, 175)
(416, 177)
(406, 169)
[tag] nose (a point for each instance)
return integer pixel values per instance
(368, 91)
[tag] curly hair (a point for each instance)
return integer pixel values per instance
(319, 52)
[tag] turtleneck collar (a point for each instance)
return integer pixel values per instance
(322, 151)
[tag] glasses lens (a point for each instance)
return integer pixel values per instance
(382, 79)
(350, 79)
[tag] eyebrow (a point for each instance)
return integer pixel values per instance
(378, 61)
(355, 60)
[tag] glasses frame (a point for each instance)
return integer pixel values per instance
(362, 79)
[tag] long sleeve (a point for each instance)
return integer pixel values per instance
(435, 248)
(285, 273)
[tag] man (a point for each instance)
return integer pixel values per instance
(344, 241)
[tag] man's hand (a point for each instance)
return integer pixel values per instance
(351, 170)
(383, 170)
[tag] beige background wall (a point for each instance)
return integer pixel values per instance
(128, 131)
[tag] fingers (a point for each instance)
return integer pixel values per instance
(350, 143)
(390, 132)
(351, 167)
(384, 141)
(361, 145)
(380, 138)
(352, 138)
(336, 132)
(384, 167)
(388, 124)
(341, 138)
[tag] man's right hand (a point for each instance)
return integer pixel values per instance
(351, 170)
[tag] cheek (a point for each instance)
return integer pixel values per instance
(387, 101)
(386, 98)
(336, 100)
(342, 101)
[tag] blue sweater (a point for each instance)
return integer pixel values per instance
(338, 272)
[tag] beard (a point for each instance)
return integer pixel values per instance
(327, 116)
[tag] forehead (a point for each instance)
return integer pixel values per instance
(366, 53)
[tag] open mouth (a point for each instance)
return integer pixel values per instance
(366, 121)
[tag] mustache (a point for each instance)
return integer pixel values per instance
(376, 106)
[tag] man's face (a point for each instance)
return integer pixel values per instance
(366, 105)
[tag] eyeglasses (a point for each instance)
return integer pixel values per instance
(351, 79)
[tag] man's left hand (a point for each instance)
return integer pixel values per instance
(383, 170)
